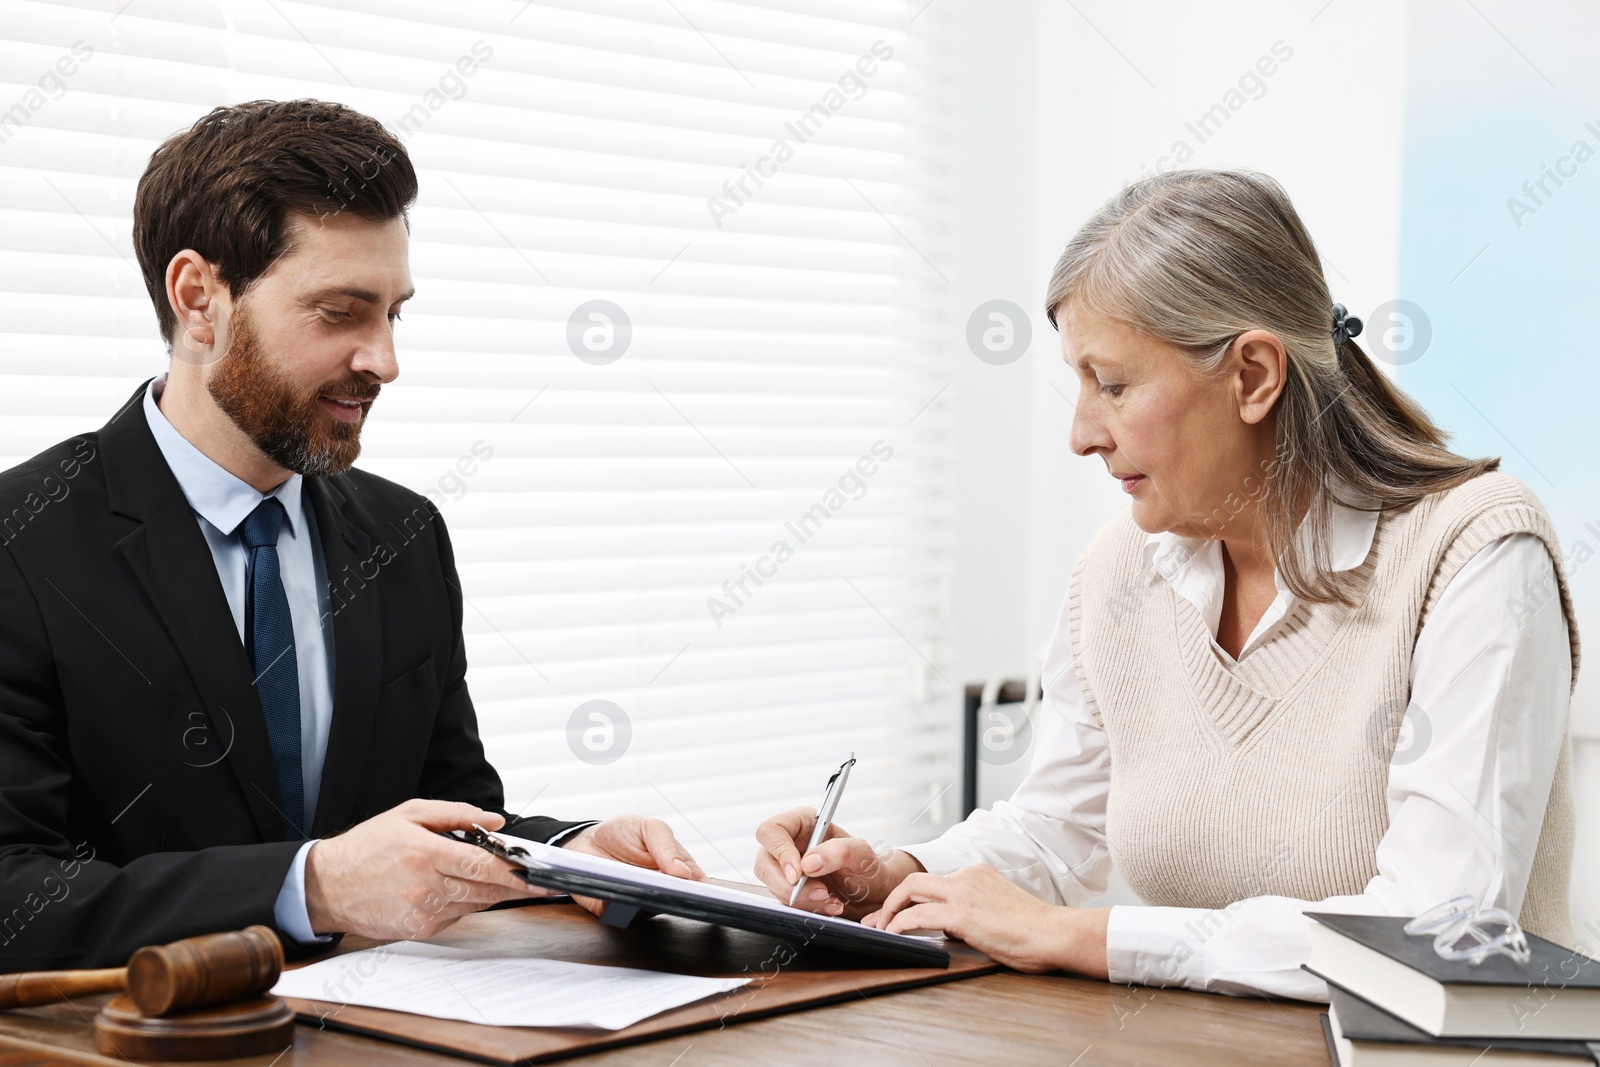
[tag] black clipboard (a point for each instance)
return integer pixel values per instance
(627, 900)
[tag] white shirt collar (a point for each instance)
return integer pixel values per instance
(1193, 566)
(217, 496)
(1350, 539)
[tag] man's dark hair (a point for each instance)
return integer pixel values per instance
(226, 187)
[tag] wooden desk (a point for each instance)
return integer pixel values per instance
(1011, 1019)
(997, 1018)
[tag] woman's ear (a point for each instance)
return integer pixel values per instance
(194, 292)
(1261, 370)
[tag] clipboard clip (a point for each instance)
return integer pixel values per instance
(616, 914)
(485, 840)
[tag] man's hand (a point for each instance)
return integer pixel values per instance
(392, 877)
(636, 840)
(845, 875)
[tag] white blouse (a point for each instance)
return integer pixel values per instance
(1468, 783)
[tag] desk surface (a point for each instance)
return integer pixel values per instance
(1006, 1017)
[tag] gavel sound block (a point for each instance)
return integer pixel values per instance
(196, 999)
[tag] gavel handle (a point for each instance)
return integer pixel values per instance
(28, 988)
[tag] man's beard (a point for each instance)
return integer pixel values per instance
(286, 422)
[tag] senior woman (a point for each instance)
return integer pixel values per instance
(1303, 566)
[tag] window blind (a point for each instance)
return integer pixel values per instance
(667, 373)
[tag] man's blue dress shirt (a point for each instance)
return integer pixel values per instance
(221, 502)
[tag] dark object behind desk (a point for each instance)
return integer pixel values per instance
(989, 772)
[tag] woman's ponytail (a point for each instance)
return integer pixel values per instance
(1372, 386)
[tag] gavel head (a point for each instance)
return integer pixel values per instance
(201, 971)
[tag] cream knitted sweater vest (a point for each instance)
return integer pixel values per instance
(1268, 778)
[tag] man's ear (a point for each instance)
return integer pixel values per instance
(198, 299)
(1261, 370)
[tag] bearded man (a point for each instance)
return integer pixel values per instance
(198, 729)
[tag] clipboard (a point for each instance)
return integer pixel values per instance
(630, 891)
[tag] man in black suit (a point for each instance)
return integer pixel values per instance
(232, 675)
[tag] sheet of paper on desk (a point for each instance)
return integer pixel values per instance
(453, 983)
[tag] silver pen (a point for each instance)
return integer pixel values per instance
(829, 805)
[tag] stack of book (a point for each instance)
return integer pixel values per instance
(1395, 1002)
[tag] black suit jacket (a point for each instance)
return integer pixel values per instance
(138, 795)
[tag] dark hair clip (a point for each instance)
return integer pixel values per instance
(1345, 326)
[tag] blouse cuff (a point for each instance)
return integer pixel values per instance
(1158, 946)
(943, 856)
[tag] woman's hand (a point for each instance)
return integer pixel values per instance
(846, 876)
(1000, 919)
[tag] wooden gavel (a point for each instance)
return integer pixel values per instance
(160, 979)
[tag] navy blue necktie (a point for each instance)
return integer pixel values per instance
(269, 636)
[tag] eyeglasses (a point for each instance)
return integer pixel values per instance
(1464, 931)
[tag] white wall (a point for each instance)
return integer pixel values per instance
(993, 234)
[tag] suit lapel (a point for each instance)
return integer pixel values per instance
(357, 651)
(169, 556)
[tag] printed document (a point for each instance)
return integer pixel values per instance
(454, 983)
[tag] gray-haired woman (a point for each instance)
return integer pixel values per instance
(1304, 569)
